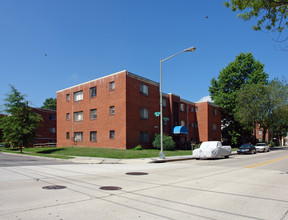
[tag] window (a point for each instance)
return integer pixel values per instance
(144, 89)
(52, 130)
(192, 125)
(164, 102)
(93, 114)
(93, 92)
(260, 132)
(78, 136)
(144, 137)
(214, 111)
(78, 116)
(67, 116)
(78, 96)
(144, 113)
(112, 86)
(196, 125)
(68, 97)
(214, 127)
(52, 117)
(93, 136)
(112, 110)
(112, 134)
(192, 109)
(196, 109)
(67, 135)
(182, 107)
(165, 121)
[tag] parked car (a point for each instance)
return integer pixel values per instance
(212, 149)
(247, 149)
(262, 147)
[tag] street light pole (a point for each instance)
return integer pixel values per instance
(190, 49)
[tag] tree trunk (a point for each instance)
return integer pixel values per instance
(21, 149)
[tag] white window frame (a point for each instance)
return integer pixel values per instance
(93, 136)
(93, 91)
(164, 102)
(78, 116)
(112, 86)
(52, 130)
(78, 96)
(112, 134)
(214, 111)
(67, 97)
(144, 89)
(144, 113)
(78, 136)
(93, 116)
(112, 110)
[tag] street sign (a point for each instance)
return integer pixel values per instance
(157, 114)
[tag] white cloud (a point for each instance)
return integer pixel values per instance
(205, 99)
(74, 76)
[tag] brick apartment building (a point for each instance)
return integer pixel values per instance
(46, 132)
(117, 111)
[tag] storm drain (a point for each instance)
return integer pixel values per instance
(54, 187)
(137, 173)
(110, 188)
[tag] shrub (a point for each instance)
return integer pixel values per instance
(138, 147)
(168, 143)
(272, 143)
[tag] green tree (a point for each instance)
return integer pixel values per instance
(168, 143)
(265, 105)
(223, 91)
(19, 128)
(50, 104)
(271, 14)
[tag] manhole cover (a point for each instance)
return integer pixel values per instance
(54, 187)
(137, 173)
(110, 188)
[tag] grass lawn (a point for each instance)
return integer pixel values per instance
(67, 152)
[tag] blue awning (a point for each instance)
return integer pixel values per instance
(180, 130)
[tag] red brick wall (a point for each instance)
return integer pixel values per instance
(104, 122)
(44, 134)
(127, 122)
(206, 119)
(136, 101)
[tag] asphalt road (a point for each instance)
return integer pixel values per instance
(9, 160)
(241, 187)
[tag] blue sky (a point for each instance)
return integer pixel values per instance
(87, 39)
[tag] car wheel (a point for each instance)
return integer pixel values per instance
(255, 152)
(226, 156)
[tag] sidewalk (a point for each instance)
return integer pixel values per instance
(97, 160)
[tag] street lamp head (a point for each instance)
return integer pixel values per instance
(190, 49)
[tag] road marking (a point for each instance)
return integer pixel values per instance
(270, 161)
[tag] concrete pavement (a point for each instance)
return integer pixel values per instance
(99, 160)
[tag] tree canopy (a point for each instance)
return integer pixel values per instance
(20, 126)
(265, 105)
(223, 91)
(50, 104)
(271, 14)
